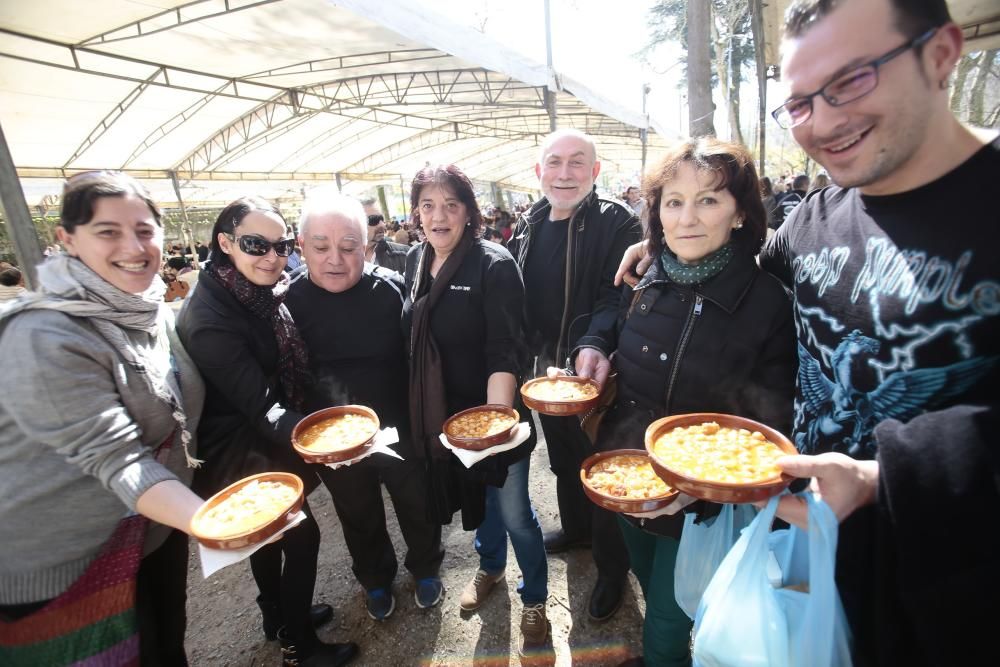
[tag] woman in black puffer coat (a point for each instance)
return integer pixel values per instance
(705, 330)
(255, 366)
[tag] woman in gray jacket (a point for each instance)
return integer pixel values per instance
(96, 427)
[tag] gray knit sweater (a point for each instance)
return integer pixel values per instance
(77, 429)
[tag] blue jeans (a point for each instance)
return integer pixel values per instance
(509, 512)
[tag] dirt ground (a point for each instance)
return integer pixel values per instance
(224, 622)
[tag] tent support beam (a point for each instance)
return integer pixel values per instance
(550, 97)
(157, 19)
(19, 225)
(186, 227)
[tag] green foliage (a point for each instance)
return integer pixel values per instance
(44, 227)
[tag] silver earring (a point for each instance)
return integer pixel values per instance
(739, 224)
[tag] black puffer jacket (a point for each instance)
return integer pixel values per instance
(599, 232)
(725, 346)
(244, 427)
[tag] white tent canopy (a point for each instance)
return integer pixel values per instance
(281, 90)
(979, 19)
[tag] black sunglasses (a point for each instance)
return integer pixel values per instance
(847, 87)
(258, 246)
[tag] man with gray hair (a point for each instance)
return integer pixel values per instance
(348, 314)
(568, 246)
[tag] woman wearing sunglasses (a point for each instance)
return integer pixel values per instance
(254, 363)
(96, 424)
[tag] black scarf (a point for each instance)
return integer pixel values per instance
(428, 399)
(268, 304)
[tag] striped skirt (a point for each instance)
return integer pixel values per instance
(93, 623)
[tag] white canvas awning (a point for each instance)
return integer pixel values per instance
(282, 90)
(979, 19)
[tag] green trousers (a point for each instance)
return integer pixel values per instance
(666, 631)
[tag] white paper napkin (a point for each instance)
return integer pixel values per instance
(384, 438)
(213, 560)
(470, 458)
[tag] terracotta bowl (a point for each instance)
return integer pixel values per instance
(559, 408)
(262, 530)
(342, 453)
(615, 503)
(719, 492)
(479, 444)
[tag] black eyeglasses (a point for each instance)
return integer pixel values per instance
(258, 246)
(847, 87)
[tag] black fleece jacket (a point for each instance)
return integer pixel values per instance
(599, 232)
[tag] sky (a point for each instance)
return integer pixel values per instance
(594, 41)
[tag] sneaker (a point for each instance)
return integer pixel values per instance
(478, 589)
(429, 592)
(534, 627)
(380, 603)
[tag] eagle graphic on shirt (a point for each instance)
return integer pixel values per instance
(838, 413)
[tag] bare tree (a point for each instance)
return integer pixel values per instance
(731, 45)
(757, 27)
(731, 22)
(977, 115)
(974, 92)
(699, 70)
(968, 63)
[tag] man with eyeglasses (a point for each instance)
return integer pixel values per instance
(895, 279)
(894, 273)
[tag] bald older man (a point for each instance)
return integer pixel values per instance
(568, 246)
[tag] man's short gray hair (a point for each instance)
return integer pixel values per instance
(567, 132)
(332, 203)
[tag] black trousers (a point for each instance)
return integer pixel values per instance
(357, 496)
(291, 582)
(160, 599)
(568, 446)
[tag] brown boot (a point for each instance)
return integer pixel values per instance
(535, 627)
(478, 589)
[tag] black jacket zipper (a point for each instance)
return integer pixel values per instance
(685, 335)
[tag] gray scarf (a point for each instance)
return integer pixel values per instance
(69, 286)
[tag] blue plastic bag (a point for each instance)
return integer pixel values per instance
(745, 620)
(702, 548)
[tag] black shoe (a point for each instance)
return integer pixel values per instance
(558, 541)
(271, 617)
(308, 651)
(606, 598)
(320, 614)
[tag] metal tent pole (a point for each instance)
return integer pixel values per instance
(550, 95)
(22, 232)
(186, 237)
